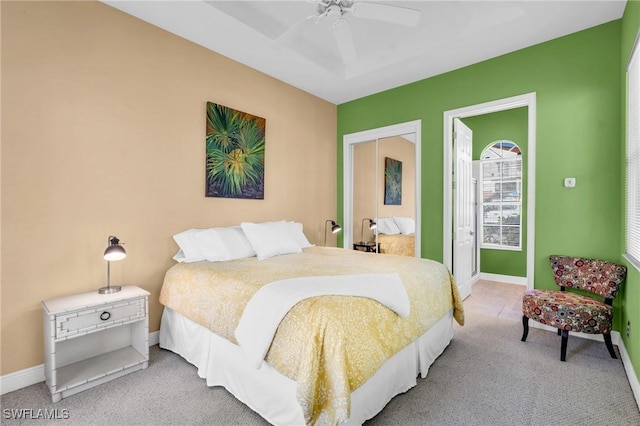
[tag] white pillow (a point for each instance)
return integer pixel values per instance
(179, 256)
(298, 234)
(235, 243)
(270, 239)
(213, 244)
(189, 248)
(386, 225)
(406, 224)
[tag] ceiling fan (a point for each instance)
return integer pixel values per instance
(335, 10)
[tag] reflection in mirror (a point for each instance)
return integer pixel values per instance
(364, 187)
(364, 194)
(396, 182)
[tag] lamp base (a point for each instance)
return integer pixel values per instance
(110, 289)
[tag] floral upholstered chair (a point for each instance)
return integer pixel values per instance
(569, 311)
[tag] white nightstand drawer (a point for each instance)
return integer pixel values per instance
(99, 317)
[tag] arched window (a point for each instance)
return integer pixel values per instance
(501, 183)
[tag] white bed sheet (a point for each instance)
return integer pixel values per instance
(272, 395)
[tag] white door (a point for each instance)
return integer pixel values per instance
(475, 252)
(463, 208)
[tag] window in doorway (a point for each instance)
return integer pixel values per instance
(501, 197)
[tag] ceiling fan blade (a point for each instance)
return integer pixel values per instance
(298, 28)
(387, 13)
(345, 42)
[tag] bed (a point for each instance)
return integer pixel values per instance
(396, 235)
(398, 244)
(333, 358)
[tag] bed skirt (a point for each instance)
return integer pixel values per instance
(272, 395)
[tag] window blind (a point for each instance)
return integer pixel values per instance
(633, 159)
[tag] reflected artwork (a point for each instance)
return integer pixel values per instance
(392, 182)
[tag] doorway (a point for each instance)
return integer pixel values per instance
(449, 248)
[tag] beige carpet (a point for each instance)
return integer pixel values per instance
(488, 377)
(485, 377)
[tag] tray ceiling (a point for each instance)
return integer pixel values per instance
(449, 35)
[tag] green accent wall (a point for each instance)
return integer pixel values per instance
(579, 86)
(510, 125)
(577, 83)
(630, 293)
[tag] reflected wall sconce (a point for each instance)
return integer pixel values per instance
(335, 228)
(372, 225)
(113, 252)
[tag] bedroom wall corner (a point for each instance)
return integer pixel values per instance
(103, 134)
(630, 314)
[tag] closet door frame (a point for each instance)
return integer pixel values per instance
(348, 142)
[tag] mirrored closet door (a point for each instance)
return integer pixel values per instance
(381, 193)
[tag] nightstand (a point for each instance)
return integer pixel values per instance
(92, 338)
(368, 246)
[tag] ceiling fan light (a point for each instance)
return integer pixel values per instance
(334, 11)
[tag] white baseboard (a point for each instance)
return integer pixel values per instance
(509, 279)
(21, 379)
(154, 338)
(631, 374)
(32, 375)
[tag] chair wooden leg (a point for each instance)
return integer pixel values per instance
(563, 345)
(525, 328)
(607, 341)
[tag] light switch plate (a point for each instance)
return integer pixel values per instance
(569, 182)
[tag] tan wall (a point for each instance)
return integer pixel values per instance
(364, 189)
(399, 149)
(103, 132)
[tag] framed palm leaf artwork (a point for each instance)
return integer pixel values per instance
(392, 182)
(235, 153)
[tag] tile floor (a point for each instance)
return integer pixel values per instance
(492, 298)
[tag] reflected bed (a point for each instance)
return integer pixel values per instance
(398, 244)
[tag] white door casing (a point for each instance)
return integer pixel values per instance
(526, 100)
(463, 210)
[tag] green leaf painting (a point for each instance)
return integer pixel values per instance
(235, 153)
(392, 182)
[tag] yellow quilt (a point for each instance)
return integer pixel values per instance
(329, 345)
(400, 244)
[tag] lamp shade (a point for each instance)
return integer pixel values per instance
(335, 228)
(114, 250)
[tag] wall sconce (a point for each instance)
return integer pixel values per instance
(372, 225)
(335, 228)
(113, 252)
